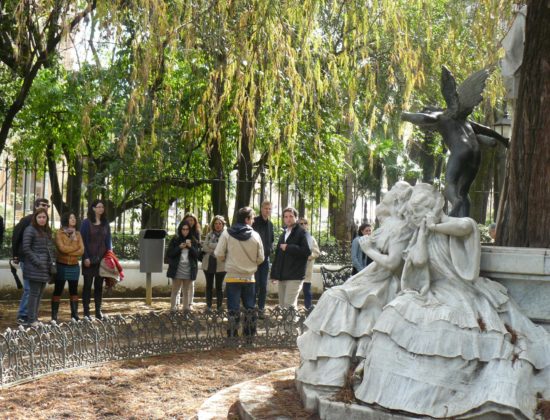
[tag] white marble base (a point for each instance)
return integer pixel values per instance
(310, 395)
(329, 410)
(526, 274)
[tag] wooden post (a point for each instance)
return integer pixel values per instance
(148, 290)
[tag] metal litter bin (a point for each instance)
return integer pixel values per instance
(151, 257)
(151, 250)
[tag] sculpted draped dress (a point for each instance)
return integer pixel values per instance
(460, 350)
(340, 326)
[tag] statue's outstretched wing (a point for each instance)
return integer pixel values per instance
(470, 91)
(448, 89)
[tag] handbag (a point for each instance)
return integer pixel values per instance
(212, 264)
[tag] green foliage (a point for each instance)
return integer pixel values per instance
(310, 84)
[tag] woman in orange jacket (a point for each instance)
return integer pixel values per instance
(70, 248)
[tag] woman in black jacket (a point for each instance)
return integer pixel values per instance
(289, 266)
(183, 255)
(38, 251)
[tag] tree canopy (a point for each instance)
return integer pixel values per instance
(166, 92)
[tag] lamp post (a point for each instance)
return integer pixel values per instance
(503, 126)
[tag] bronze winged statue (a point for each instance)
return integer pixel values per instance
(461, 136)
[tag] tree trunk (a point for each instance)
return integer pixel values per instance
(499, 172)
(525, 216)
(74, 185)
(479, 192)
(342, 207)
(152, 218)
(244, 168)
(218, 192)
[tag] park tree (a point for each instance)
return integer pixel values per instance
(30, 33)
(177, 92)
(524, 217)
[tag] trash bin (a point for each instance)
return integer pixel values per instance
(151, 250)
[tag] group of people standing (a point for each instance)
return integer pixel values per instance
(44, 258)
(240, 257)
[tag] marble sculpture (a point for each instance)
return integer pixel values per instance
(422, 332)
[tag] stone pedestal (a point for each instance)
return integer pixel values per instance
(526, 274)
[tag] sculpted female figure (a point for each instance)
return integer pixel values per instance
(340, 326)
(452, 344)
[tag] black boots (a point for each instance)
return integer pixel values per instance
(74, 308)
(55, 308)
(98, 297)
(98, 313)
(86, 297)
(86, 307)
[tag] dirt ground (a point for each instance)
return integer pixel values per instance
(161, 387)
(167, 387)
(111, 306)
(8, 309)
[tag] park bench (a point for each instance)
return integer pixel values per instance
(335, 277)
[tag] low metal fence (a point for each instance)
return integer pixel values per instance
(26, 354)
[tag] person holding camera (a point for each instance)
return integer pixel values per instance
(182, 255)
(96, 235)
(36, 247)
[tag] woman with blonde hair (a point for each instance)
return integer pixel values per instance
(213, 268)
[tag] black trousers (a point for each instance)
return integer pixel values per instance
(219, 290)
(87, 291)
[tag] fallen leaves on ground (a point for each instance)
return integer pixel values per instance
(173, 386)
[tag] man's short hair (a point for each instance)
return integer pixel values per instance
(266, 203)
(245, 213)
(39, 201)
(291, 210)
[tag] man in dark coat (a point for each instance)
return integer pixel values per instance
(289, 266)
(263, 225)
(18, 257)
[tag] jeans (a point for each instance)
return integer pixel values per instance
(261, 283)
(22, 313)
(306, 287)
(35, 294)
(234, 292)
(219, 288)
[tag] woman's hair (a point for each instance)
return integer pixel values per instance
(189, 235)
(362, 228)
(91, 213)
(216, 218)
(196, 228)
(46, 228)
(65, 218)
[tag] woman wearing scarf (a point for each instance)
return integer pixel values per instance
(70, 248)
